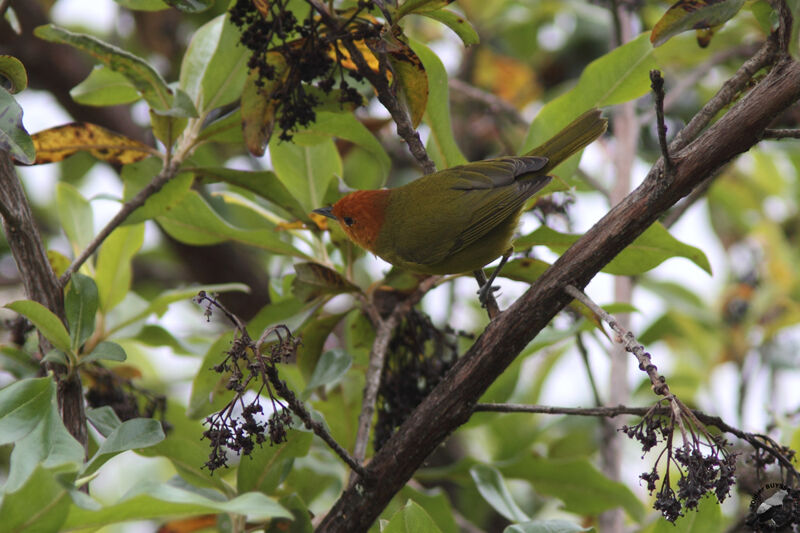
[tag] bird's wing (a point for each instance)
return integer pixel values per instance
(490, 190)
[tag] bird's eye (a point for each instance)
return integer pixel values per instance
(348, 221)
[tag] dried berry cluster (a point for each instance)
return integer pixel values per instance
(308, 48)
(244, 364)
(700, 473)
(419, 356)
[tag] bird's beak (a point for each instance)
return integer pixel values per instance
(325, 211)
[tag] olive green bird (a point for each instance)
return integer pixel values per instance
(459, 219)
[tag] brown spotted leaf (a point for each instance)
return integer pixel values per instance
(686, 15)
(56, 144)
(314, 280)
(412, 80)
(259, 107)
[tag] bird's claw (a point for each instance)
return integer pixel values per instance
(485, 292)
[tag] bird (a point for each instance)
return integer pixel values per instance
(462, 218)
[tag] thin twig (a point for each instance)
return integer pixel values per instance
(585, 356)
(166, 174)
(726, 94)
(384, 91)
(788, 133)
(302, 413)
(756, 440)
(627, 339)
(496, 105)
(657, 84)
(377, 358)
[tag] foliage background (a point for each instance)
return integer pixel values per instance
(727, 342)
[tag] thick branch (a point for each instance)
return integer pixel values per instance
(41, 286)
(451, 403)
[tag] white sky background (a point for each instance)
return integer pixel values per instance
(42, 112)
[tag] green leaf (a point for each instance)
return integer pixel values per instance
(14, 139)
(577, 483)
(143, 5)
(151, 501)
(138, 175)
(106, 350)
(420, 6)
(314, 334)
(185, 449)
(346, 126)
(45, 321)
(436, 504)
(300, 521)
(458, 23)
(331, 366)
(104, 87)
(649, 250)
(442, 145)
(214, 66)
(193, 221)
(707, 518)
(619, 76)
(546, 526)
(113, 272)
(13, 77)
(411, 519)
(268, 466)
(80, 306)
(306, 170)
(23, 405)
(131, 434)
(493, 488)
(76, 216)
(314, 280)
(104, 419)
(264, 183)
(49, 445)
(140, 73)
(40, 505)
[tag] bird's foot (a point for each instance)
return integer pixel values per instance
(487, 292)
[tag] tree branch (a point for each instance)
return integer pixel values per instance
(166, 174)
(452, 402)
(41, 286)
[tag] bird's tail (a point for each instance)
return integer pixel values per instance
(578, 134)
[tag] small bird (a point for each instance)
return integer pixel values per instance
(459, 219)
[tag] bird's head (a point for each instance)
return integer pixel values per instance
(361, 215)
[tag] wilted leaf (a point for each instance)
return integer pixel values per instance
(412, 79)
(13, 77)
(314, 280)
(258, 106)
(686, 15)
(140, 73)
(57, 143)
(13, 137)
(190, 6)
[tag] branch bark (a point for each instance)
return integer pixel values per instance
(451, 403)
(41, 285)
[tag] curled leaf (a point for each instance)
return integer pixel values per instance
(13, 77)
(686, 15)
(57, 143)
(314, 280)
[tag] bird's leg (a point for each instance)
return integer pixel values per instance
(486, 292)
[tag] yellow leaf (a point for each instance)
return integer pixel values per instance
(286, 226)
(56, 144)
(262, 6)
(258, 105)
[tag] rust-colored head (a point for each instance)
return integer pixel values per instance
(361, 215)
